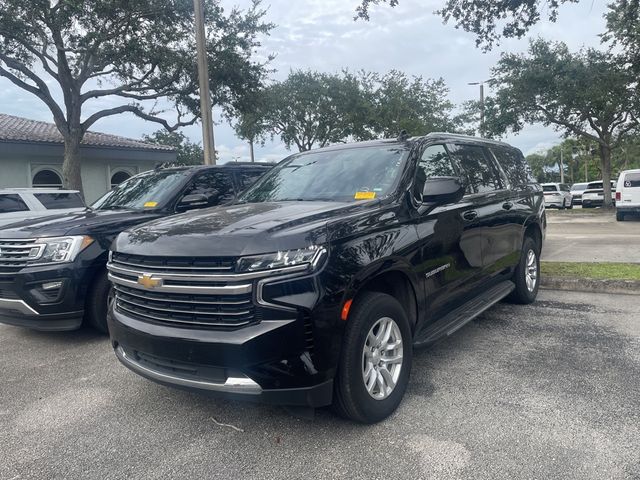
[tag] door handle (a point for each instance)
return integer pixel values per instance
(507, 205)
(470, 215)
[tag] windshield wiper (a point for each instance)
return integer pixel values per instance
(116, 207)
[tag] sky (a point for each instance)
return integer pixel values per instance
(322, 35)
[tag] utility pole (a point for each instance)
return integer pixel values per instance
(561, 165)
(481, 105)
(203, 77)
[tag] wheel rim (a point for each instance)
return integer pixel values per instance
(382, 358)
(531, 271)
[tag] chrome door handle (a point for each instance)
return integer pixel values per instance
(470, 215)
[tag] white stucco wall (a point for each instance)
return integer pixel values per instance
(19, 162)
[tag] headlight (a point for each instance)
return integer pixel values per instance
(285, 258)
(58, 249)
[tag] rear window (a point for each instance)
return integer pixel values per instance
(632, 180)
(56, 201)
(12, 203)
(549, 188)
(579, 187)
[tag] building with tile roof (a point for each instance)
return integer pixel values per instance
(31, 154)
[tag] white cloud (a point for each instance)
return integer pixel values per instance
(321, 35)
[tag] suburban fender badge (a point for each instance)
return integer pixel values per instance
(437, 270)
(147, 281)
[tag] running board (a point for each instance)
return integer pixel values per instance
(462, 315)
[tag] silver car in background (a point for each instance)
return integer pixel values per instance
(557, 195)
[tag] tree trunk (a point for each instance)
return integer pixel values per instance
(253, 158)
(71, 167)
(605, 162)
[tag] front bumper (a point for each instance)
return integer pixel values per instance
(266, 362)
(24, 302)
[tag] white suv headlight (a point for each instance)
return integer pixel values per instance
(59, 249)
(284, 258)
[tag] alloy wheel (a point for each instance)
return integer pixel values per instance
(382, 358)
(531, 271)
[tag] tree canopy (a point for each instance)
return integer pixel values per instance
(589, 94)
(94, 52)
(188, 153)
(489, 20)
(311, 109)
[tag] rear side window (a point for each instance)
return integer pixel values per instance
(246, 178)
(632, 180)
(481, 175)
(12, 203)
(216, 186)
(514, 166)
(55, 201)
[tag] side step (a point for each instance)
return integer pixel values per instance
(463, 314)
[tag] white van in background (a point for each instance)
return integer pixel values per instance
(628, 194)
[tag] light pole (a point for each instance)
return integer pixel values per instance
(203, 77)
(481, 104)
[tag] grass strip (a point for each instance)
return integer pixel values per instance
(607, 271)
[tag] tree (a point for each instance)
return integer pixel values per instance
(489, 20)
(313, 109)
(188, 153)
(589, 94)
(399, 103)
(139, 52)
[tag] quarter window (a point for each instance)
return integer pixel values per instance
(480, 172)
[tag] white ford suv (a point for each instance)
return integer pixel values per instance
(21, 203)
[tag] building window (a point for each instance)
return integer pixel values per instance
(119, 177)
(47, 179)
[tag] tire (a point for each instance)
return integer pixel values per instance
(570, 207)
(352, 399)
(620, 217)
(99, 297)
(527, 288)
(564, 205)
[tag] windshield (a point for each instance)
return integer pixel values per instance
(145, 191)
(349, 174)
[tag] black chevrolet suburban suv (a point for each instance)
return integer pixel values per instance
(314, 287)
(53, 270)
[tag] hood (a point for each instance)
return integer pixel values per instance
(234, 230)
(86, 222)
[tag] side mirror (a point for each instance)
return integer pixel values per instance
(196, 200)
(441, 190)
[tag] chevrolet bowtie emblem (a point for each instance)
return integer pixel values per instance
(147, 281)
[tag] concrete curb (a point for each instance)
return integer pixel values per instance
(629, 287)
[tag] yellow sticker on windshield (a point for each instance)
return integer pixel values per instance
(365, 195)
(150, 204)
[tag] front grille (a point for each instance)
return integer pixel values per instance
(14, 255)
(175, 264)
(187, 292)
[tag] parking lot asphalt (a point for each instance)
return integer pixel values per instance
(591, 236)
(550, 390)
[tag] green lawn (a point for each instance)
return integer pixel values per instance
(613, 271)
